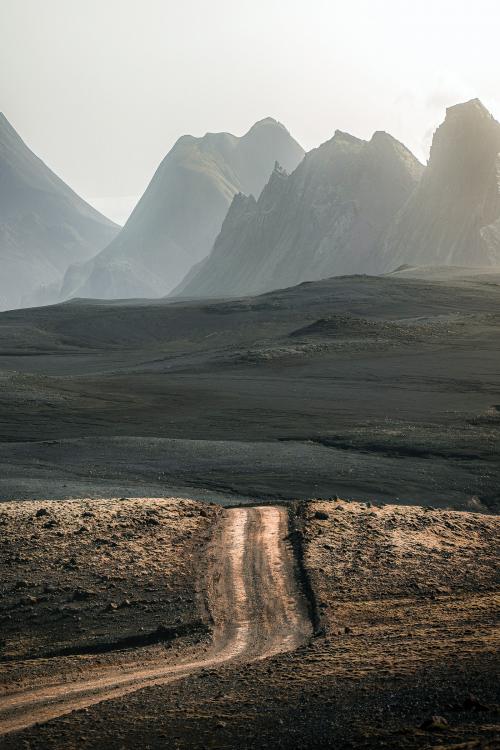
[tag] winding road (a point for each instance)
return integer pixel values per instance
(258, 610)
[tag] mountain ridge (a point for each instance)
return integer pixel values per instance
(175, 222)
(321, 220)
(355, 206)
(44, 224)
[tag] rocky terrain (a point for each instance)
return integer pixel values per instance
(177, 219)
(44, 225)
(88, 576)
(248, 600)
(404, 603)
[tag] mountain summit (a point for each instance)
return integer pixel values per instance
(44, 225)
(180, 214)
(453, 218)
(324, 219)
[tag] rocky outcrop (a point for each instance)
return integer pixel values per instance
(453, 218)
(327, 218)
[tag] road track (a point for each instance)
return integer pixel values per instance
(258, 610)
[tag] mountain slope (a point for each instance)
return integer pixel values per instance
(44, 225)
(453, 218)
(324, 219)
(177, 219)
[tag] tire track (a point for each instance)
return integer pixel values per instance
(258, 610)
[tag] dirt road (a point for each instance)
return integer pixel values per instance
(257, 607)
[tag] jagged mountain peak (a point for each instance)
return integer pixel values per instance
(384, 143)
(341, 136)
(279, 169)
(9, 137)
(468, 126)
(345, 136)
(175, 223)
(241, 199)
(383, 146)
(266, 126)
(4, 121)
(266, 122)
(452, 217)
(470, 108)
(6, 125)
(466, 146)
(382, 138)
(321, 220)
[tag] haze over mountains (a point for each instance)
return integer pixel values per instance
(453, 218)
(179, 216)
(209, 225)
(44, 225)
(364, 207)
(325, 219)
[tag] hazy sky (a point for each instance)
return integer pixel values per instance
(101, 89)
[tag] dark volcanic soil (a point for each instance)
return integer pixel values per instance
(374, 388)
(86, 577)
(406, 604)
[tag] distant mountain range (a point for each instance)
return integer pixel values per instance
(44, 225)
(213, 223)
(325, 219)
(353, 206)
(179, 216)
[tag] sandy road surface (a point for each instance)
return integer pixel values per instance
(258, 611)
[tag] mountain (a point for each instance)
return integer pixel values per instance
(179, 216)
(324, 219)
(44, 225)
(453, 218)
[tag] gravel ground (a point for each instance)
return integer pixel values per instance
(405, 603)
(83, 578)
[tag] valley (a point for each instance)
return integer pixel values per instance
(250, 414)
(370, 387)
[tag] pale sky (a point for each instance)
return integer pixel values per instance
(101, 89)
